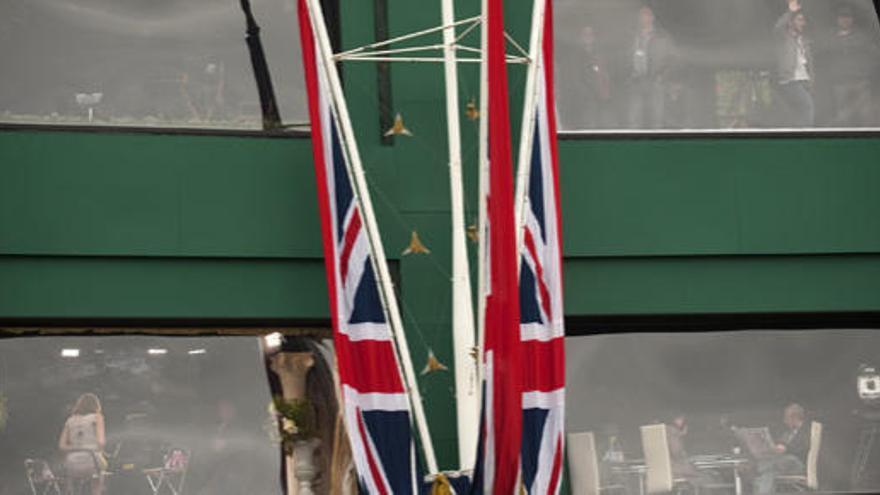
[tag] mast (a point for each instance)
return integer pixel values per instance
(369, 219)
(483, 247)
(466, 389)
(268, 106)
(527, 131)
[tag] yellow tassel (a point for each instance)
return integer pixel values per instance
(471, 111)
(398, 129)
(441, 486)
(415, 245)
(433, 364)
(475, 353)
(472, 233)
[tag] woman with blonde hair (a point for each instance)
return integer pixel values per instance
(82, 440)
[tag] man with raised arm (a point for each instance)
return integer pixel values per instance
(794, 63)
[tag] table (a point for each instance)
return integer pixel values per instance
(714, 462)
(631, 467)
(721, 462)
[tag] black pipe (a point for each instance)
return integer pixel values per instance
(268, 106)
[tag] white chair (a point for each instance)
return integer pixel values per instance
(809, 480)
(658, 462)
(583, 465)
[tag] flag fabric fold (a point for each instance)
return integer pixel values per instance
(542, 327)
(375, 404)
(497, 469)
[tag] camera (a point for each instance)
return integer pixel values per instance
(868, 383)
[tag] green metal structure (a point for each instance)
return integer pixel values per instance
(132, 225)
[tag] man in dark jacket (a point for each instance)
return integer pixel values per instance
(653, 55)
(852, 58)
(791, 452)
(794, 64)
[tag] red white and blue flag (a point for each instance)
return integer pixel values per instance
(497, 470)
(542, 327)
(374, 400)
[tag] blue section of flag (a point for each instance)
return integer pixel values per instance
(530, 312)
(391, 435)
(536, 184)
(533, 429)
(367, 304)
(342, 191)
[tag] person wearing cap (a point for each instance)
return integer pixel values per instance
(851, 59)
(794, 62)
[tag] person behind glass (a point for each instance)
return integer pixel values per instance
(652, 57)
(852, 57)
(682, 467)
(82, 442)
(795, 65)
(596, 84)
(790, 455)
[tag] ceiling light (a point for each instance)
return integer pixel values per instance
(273, 340)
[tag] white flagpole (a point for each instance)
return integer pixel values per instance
(466, 389)
(380, 263)
(483, 247)
(527, 131)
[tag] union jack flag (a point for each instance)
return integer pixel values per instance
(375, 405)
(541, 317)
(498, 453)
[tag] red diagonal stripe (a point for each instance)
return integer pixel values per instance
(543, 365)
(374, 467)
(543, 292)
(555, 476)
(351, 235)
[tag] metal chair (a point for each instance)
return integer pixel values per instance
(41, 479)
(584, 465)
(810, 479)
(172, 475)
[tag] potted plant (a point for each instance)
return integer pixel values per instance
(292, 423)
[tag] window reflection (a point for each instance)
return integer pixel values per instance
(709, 64)
(143, 411)
(144, 63)
(741, 412)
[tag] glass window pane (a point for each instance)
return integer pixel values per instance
(194, 403)
(718, 392)
(144, 62)
(717, 64)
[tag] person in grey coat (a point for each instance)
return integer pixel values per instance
(653, 57)
(794, 63)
